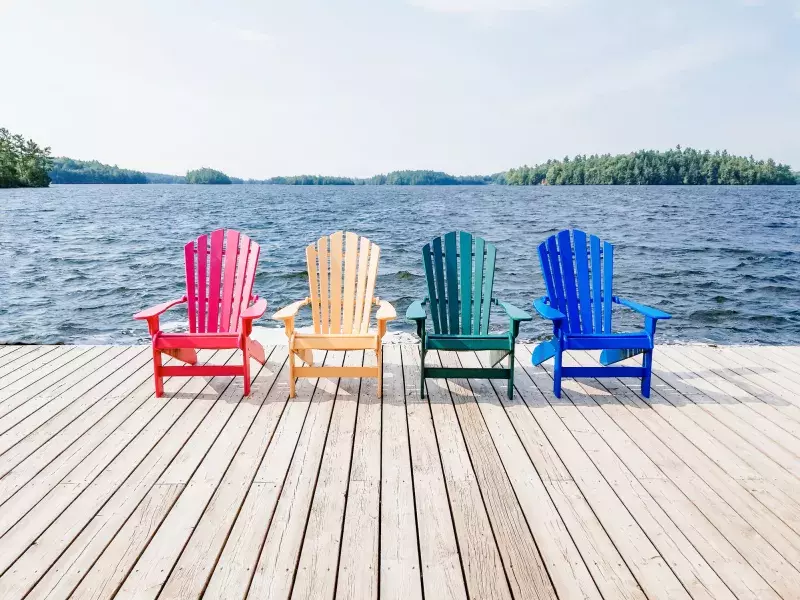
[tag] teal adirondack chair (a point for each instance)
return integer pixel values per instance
(580, 309)
(460, 278)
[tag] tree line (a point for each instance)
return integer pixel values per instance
(419, 177)
(23, 163)
(681, 166)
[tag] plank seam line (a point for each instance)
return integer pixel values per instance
(411, 471)
(88, 522)
(73, 442)
(701, 478)
(280, 492)
(98, 474)
(347, 487)
(614, 491)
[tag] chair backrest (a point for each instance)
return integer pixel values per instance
(342, 269)
(459, 269)
(219, 280)
(579, 279)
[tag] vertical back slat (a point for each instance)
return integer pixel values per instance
(336, 282)
(597, 290)
(465, 247)
(438, 266)
(451, 271)
(249, 276)
(480, 249)
(350, 263)
(215, 280)
(313, 288)
(608, 276)
(433, 300)
(544, 261)
(361, 288)
(582, 273)
(372, 276)
(238, 286)
(488, 284)
(324, 316)
(202, 283)
(558, 284)
(228, 278)
(568, 272)
(191, 296)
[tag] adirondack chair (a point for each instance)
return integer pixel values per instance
(580, 309)
(221, 306)
(460, 281)
(340, 308)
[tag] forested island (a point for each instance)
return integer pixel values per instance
(208, 176)
(23, 163)
(681, 166)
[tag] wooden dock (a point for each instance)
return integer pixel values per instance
(109, 492)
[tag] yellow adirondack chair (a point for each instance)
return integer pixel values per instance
(340, 308)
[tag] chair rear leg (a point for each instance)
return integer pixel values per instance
(647, 363)
(557, 375)
(159, 379)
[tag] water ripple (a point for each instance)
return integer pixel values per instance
(80, 260)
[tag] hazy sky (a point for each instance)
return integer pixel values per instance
(262, 88)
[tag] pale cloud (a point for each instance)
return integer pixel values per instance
(251, 35)
(487, 6)
(655, 69)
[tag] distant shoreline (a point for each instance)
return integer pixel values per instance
(679, 166)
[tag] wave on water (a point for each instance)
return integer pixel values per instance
(725, 261)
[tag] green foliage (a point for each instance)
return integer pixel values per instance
(309, 180)
(393, 178)
(425, 178)
(69, 170)
(207, 176)
(651, 167)
(164, 178)
(22, 162)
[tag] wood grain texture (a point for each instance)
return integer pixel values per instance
(107, 491)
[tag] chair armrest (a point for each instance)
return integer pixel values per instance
(514, 313)
(255, 311)
(158, 309)
(290, 311)
(416, 311)
(647, 311)
(547, 311)
(386, 311)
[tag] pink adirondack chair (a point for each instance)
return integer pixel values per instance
(222, 308)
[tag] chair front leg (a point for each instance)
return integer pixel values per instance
(510, 390)
(379, 353)
(557, 372)
(647, 363)
(157, 376)
(647, 357)
(245, 364)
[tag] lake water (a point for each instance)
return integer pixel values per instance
(78, 260)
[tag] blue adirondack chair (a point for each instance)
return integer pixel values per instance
(579, 302)
(460, 281)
